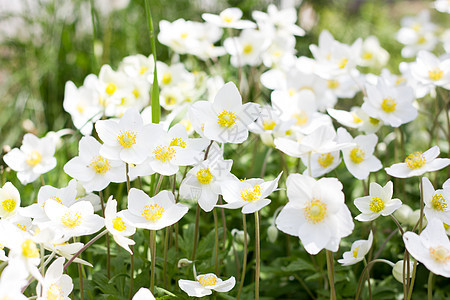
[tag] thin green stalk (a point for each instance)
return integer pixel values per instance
(330, 268)
(258, 255)
(156, 107)
(80, 275)
(94, 35)
(166, 248)
(244, 260)
(368, 279)
(216, 242)
(108, 249)
(397, 223)
(430, 286)
(413, 278)
(197, 221)
(369, 264)
(127, 167)
(153, 259)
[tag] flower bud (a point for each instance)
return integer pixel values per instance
(397, 270)
(272, 233)
(239, 236)
(184, 262)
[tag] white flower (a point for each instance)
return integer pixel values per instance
(373, 55)
(143, 294)
(35, 157)
(247, 48)
(431, 70)
(229, 18)
(205, 284)
(392, 105)
(321, 164)
(316, 213)
(153, 213)
(379, 202)
(77, 220)
(12, 280)
(91, 169)
(356, 118)
(138, 66)
(442, 6)
(418, 163)
(55, 285)
(250, 194)
(431, 247)
(118, 226)
(436, 202)
(397, 270)
(277, 21)
(128, 139)
(357, 252)
(359, 159)
(9, 200)
(225, 120)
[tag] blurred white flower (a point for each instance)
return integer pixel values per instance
(247, 49)
(229, 18)
(372, 54)
(143, 294)
(431, 70)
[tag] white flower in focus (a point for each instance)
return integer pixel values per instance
(91, 169)
(55, 285)
(229, 18)
(35, 157)
(392, 105)
(205, 284)
(431, 70)
(321, 164)
(153, 213)
(9, 200)
(316, 213)
(250, 194)
(247, 49)
(436, 202)
(118, 226)
(379, 202)
(143, 294)
(127, 140)
(77, 220)
(431, 247)
(225, 120)
(359, 159)
(357, 252)
(419, 163)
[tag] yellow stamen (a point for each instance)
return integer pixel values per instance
(356, 118)
(355, 252)
(119, 224)
(227, 19)
(164, 153)
(178, 142)
(100, 165)
(388, 105)
(438, 203)
(136, 93)
(9, 205)
(301, 117)
(251, 194)
(110, 88)
(269, 124)
(71, 219)
(325, 160)
(207, 280)
(21, 227)
(153, 212)
(367, 55)
(333, 84)
(374, 121)
(126, 139)
(315, 212)
(435, 74)
(376, 205)
(357, 155)
(204, 176)
(143, 70)
(55, 292)
(167, 78)
(342, 63)
(440, 254)
(415, 160)
(33, 158)
(170, 100)
(226, 118)
(184, 35)
(248, 48)
(29, 249)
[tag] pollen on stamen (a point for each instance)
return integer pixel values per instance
(315, 212)
(269, 124)
(204, 176)
(435, 74)
(164, 153)
(55, 292)
(251, 193)
(376, 205)
(178, 142)
(415, 160)
(119, 224)
(33, 158)
(9, 205)
(226, 118)
(126, 139)
(355, 252)
(357, 155)
(325, 160)
(207, 280)
(153, 212)
(100, 165)
(438, 203)
(388, 105)
(440, 254)
(71, 219)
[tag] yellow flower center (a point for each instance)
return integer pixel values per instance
(227, 19)
(178, 142)
(269, 124)
(357, 155)
(374, 121)
(29, 249)
(100, 165)
(367, 55)
(440, 254)
(126, 139)
(247, 49)
(301, 118)
(184, 35)
(226, 118)
(167, 78)
(204, 176)
(421, 40)
(136, 93)
(356, 119)
(435, 74)
(251, 193)
(342, 63)
(119, 224)
(9, 205)
(376, 205)
(415, 160)
(325, 160)
(71, 219)
(400, 80)
(164, 153)
(315, 212)
(21, 227)
(33, 158)
(153, 212)
(207, 280)
(355, 252)
(438, 203)
(388, 105)
(143, 70)
(55, 292)
(110, 88)
(170, 100)
(333, 84)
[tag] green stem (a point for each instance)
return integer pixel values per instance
(368, 279)
(216, 242)
(369, 264)
(166, 248)
(430, 286)
(108, 249)
(258, 255)
(153, 259)
(80, 274)
(330, 268)
(156, 107)
(244, 260)
(197, 221)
